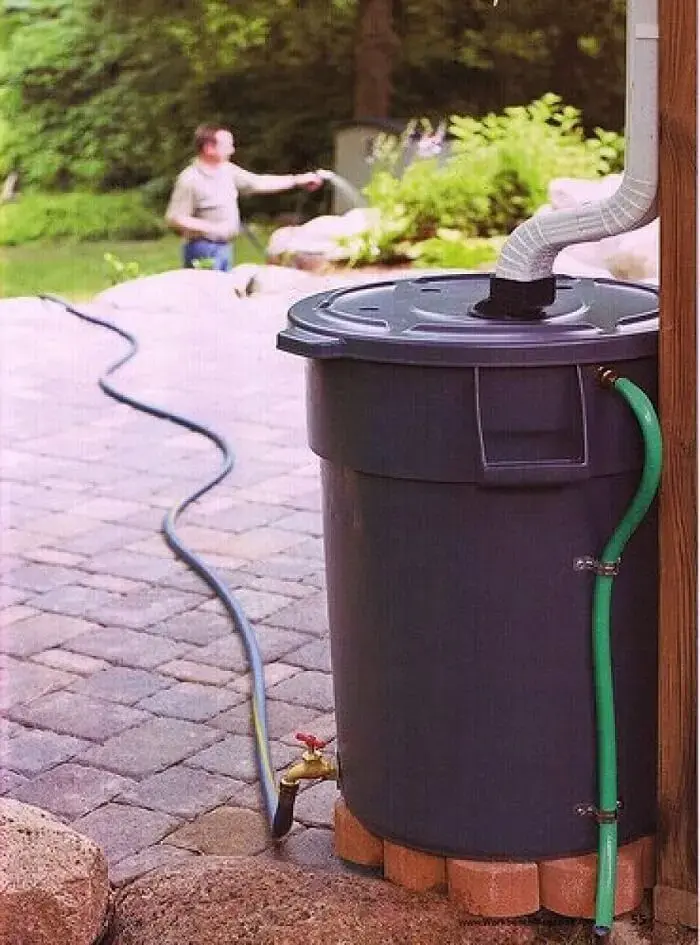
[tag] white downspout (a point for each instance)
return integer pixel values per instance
(530, 251)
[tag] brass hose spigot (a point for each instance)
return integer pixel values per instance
(312, 765)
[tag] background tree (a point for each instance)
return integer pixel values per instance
(101, 94)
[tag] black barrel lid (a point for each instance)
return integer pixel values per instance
(438, 320)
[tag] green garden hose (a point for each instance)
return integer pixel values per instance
(648, 422)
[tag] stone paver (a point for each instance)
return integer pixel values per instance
(234, 756)
(307, 688)
(131, 867)
(186, 792)
(34, 751)
(127, 647)
(122, 830)
(72, 714)
(120, 683)
(150, 747)
(71, 790)
(283, 718)
(309, 616)
(186, 700)
(34, 634)
(125, 686)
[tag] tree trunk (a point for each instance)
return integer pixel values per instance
(374, 52)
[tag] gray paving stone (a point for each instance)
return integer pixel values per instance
(40, 577)
(258, 605)
(314, 805)
(32, 752)
(122, 830)
(108, 582)
(307, 688)
(22, 682)
(189, 671)
(198, 626)
(12, 595)
(40, 632)
(71, 790)
(312, 548)
(129, 869)
(315, 655)
(310, 523)
(283, 567)
(241, 516)
(138, 610)
(229, 653)
(70, 662)
(186, 792)
(121, 684)
(150, 747)
(131, 564)
(235, 757)
(107, 537)
(283, 718)
(307, 616)
(127, 647)
(186, 700)
(73, 714)
(10, 780)
(72, 599)
(237, 579)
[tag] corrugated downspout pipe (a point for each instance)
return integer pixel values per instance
(523, 284)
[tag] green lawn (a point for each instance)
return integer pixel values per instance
(78, 270)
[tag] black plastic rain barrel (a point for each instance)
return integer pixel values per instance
(467, 463)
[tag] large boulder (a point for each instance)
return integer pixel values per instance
(221, 900)
(322, 241)
(53, 881)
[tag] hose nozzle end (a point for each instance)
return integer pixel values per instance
(284, 815)
(607, 377)
(601, 934)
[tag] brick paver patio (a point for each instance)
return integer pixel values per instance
(123, 690)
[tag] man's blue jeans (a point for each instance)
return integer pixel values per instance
(220, 254)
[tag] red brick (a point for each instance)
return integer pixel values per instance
(413, 869)
(648, 847)
(567, 886)
(353, 842)
(494, 889)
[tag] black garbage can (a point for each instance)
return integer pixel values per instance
(467, 461)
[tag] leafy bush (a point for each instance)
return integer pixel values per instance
(79, 216)
(496, 176)
(448, 249)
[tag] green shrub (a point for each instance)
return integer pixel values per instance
(448, 249)
(79, 216)
(496, 176)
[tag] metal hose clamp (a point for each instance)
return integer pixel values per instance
(600, 568)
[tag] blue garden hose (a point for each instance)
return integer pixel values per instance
(168, 528)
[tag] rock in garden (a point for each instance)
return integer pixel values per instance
(53, 881)
(322, 241)
(180, 290)
(220, 900)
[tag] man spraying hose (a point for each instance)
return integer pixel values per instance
(203, 206)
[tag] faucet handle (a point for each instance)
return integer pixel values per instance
(311, 742)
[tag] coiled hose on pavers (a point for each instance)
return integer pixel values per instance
(279, 802)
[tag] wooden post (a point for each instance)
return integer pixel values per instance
(675, 895)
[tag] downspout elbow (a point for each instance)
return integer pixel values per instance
(523, 280)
